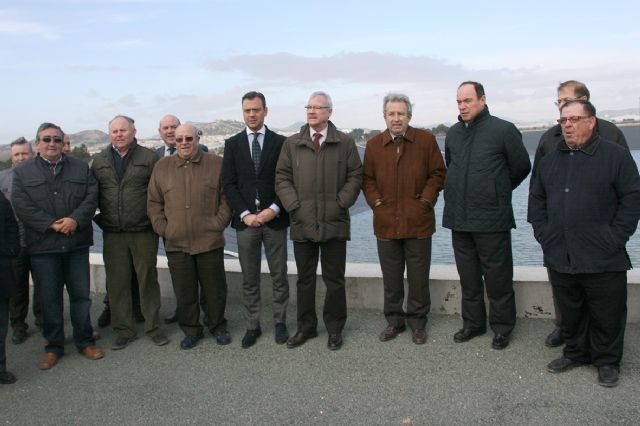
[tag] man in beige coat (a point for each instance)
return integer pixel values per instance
(186, 206)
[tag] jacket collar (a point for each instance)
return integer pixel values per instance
(409, 136)
(181, 162)
(588, 148)
(483, 115)
(305, 138)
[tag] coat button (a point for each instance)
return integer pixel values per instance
(566, 190)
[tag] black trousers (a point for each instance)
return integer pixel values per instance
(187, 270)
(594, 315)
(19, 302)
(416, 255)
(485, 258)
(4, 325)
(333, 257)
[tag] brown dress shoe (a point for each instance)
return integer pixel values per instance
(48, 360)
(92, 352)
(391, 332)
(419, 336)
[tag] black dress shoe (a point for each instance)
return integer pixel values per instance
(608, 376)
(299, 338)
(19, 336)
(171, 318)
(419, 336)
(335, 342)
(282, 335)
(500, 341)
(250, 338)
(7, 378)
(466, 334)
(554, 339)
(561, 364)
(391, 332)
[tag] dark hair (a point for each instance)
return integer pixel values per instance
(45, 126)
(586, 106)
(479, 87)
(20, 141)
(253, 95)
(579, 88)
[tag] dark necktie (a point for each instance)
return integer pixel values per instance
(172, 150)
(256, 151)
(316, 141)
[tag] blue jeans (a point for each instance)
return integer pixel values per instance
(53, 271)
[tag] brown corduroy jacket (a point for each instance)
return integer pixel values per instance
(404, 179)
(186, 204)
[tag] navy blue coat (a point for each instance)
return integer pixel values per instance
(584, 206)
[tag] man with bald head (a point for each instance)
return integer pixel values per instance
(192, 221)
(130, 247)
(167, 129)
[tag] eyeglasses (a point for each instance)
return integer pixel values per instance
(186, 139)
(573, 119)
(315, 107)
(49, 139)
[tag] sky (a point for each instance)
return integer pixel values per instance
(78, 63)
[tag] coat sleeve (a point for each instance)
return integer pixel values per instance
(437, 172)
(25, 208)
(83, 214)
(517, 156)
(11, 241)
(229, 178)
(627, 187)
(349, 192)
(223, 216)
(537, 208)
(155, 204)
(369, 182)
(285, 186)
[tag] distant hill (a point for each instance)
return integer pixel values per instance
(219, 127)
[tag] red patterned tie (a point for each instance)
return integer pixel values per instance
(316, 141)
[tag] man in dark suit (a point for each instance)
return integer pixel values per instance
(9, 248)
(167, 129)
(248, 177)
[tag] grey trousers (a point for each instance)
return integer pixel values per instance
(416, 255)
(125, 254)
(250, 241)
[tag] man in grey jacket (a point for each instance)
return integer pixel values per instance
(318, 177)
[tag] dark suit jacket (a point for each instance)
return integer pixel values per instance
(160, 151)
(240, 180)
(9, 247)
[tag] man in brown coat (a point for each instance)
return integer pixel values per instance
(403, 174)
(186, 206)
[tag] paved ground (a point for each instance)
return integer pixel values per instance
(367, 382)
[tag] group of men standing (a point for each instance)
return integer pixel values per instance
(584, 205)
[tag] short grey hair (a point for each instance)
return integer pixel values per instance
(21, 141)
(396, 97)
(130, 120)
(326, 95)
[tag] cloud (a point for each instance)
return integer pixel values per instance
(11, 26)
(119, 44)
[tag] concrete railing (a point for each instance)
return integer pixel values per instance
(364, 287)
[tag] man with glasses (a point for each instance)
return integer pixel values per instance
(486, 161)
(318, 177)
(167, 130)
(570, 90)
(248, 176)
(192, 221)
(19, 303)
(55, 197)
(584, 206)
(130, 246)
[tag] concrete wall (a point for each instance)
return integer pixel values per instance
(364, 287)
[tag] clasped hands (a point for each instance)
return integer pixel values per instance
(257, 220)
(66, 226)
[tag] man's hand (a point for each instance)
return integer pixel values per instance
(66, 226)
(266, 215)
(251, 220)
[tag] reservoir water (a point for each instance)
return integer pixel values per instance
(526, 250)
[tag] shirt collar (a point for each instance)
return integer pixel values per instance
(262, 131)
